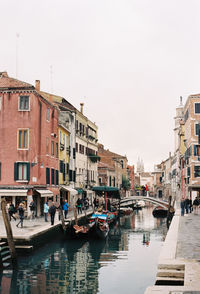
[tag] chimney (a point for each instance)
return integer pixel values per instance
(81, 104)
(37, 85)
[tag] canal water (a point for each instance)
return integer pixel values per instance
(124, 263)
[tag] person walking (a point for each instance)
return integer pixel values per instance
(21, 215)
(79, 205)
(32, 209)
(187, 203)
(52, 211)
(46, 210)
(196, 205)
(182, 207)
(66, 207)
(11, 211)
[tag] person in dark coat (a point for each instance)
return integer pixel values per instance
(79, 205)
(182, 207)
(12, 211)
(52, 212)
(196, 205)
(187, 203)
(21, 215)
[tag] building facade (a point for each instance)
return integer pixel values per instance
(28, 136)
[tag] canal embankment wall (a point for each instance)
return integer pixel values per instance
(179, 260)
(37, 232)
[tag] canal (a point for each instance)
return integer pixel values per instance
(124, 263)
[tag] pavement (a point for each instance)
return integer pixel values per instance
(180, 256)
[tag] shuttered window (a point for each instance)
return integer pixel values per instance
(48, 176)
(57, 178)
(52, 176)
(61, 166)
(197, 171)
(74, 153)
(74, 176)
(197, 107)
(24, 103)
(22, 171)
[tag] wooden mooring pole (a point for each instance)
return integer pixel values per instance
(10, 239)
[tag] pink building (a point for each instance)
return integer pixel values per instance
(28, 144)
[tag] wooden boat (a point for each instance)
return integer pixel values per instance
(99, 226)
(78, 232)
(160, 211)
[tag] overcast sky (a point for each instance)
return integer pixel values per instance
(129, 61)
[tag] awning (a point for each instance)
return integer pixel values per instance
(79, 190)
(105, 189)
(13, 192)
(69, 189)
(111, 191)
(45, 193)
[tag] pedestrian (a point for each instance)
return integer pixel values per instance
(46, 210)
(79, 205)
(32, 209)
(182, 206)
(11, 211)
(196, 205)
(65, 207)
(21, 215)
(52, 211)
(190, 205)
(187, 203)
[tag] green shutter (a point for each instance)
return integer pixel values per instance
(56, 177)
(15, 171)
(47, 176)
(28, 171)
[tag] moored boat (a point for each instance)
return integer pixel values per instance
(160, 211)
(99, 226)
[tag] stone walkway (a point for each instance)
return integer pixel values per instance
(181, 247)
(188, 246)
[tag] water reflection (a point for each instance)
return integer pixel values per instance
(78, 266)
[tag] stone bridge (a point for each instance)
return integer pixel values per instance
(129, 200)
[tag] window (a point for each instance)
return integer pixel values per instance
(76, 124)
(197, 107)
(52, 176)
(197, 171)
(197, 129)
(76, 147)
(61, 166)
(24, 103)
(47, 145)
(56, 150)
(196, 150)
(21, 171)
(48, 114)
(74, 153)
(23, 139)
(57, 181)
(64, 140)
(47, 176)
(52, 148)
